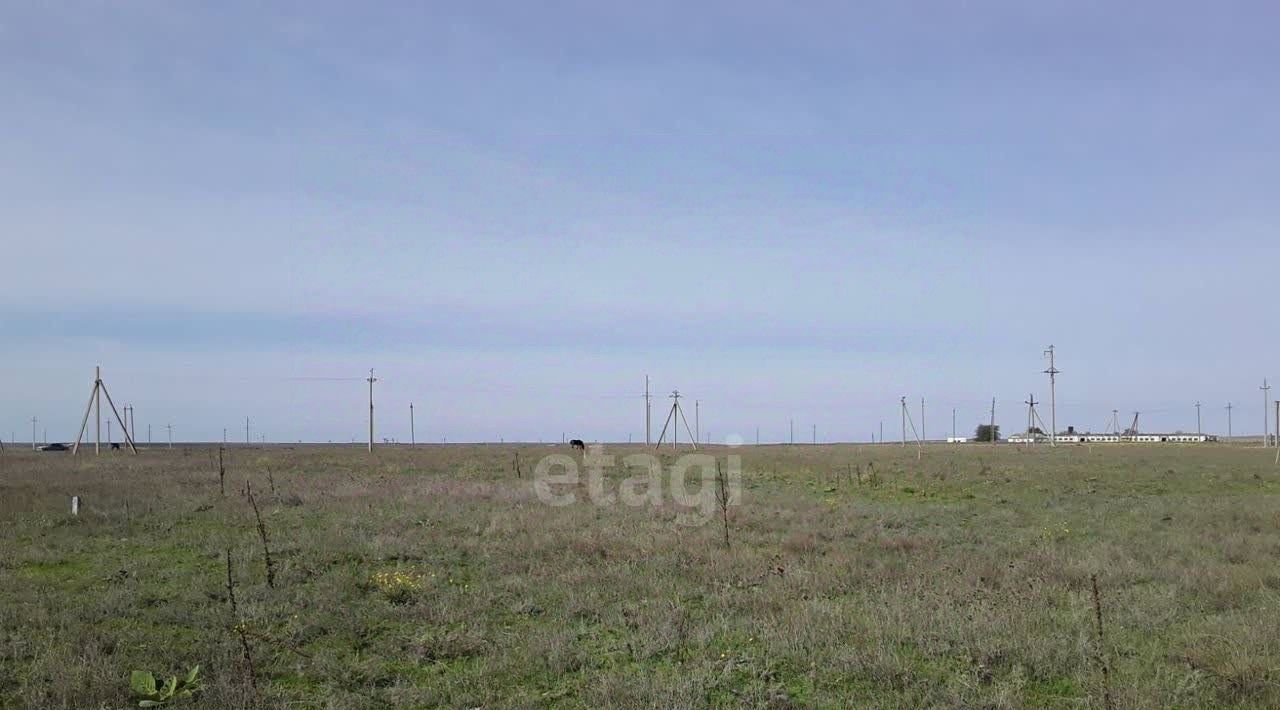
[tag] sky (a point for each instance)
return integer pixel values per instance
(794, 213)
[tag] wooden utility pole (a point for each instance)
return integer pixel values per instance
(372, 379)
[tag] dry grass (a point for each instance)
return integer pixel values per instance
(433, 576)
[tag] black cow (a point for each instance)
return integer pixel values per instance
(577, 444)
(115, 447)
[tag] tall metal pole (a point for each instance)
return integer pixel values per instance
(1198, 432)
(1228, 420)
(413, 437)
(815, 434)
(33, 433)
(372, 379)
(953, 423)
(1053, 398)
(170, 428)
(881, 440)
(246, 431)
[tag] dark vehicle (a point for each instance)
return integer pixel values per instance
(55, 447)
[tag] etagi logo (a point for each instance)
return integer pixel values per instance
(558, 479)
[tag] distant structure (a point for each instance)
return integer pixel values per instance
(95, 406)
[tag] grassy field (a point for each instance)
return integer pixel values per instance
(855, 577)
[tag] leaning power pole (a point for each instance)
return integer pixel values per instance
(371, 380)
(1052, 372)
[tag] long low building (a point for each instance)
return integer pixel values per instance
(1114, 438)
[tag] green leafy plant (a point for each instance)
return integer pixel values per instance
(152, 695)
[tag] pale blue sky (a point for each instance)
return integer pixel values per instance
(516, 210)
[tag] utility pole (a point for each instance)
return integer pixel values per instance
(170, 428)
(793, 432)
(648, 437)
(413, 437)
(953, 423)
(881, 439)
(993, 422)
(1052, 372)
(372, 379)
(903, 402)
(224, 436)
(1266, 404)
(1198, 432)
(33, 433)
(757, 436)
(815, 434)
(922, 435)
(1031, 415)
(246, 431)
(676, 415)
(95, 405)
(697, 420)
(148, 433)
(1228, 420)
